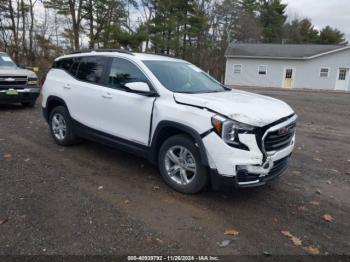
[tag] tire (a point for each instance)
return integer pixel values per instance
(196, 181)
(62, 118)
(28, 104)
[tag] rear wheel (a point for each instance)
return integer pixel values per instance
(180, 165)
(61, 127)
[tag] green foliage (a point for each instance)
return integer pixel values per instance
(328, 35)
(272, 17)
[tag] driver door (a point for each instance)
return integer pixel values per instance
(125, 114)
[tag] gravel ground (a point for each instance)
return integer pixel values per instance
(92, 200)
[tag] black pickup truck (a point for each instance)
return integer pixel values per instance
(17, 85)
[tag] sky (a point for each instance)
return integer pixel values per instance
(335, 13)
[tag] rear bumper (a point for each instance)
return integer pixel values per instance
(23, 95)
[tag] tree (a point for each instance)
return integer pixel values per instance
(300, 32)
(272, 17)
(329, 35)
(73, 9)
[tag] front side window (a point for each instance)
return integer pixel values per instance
(91, 69)
(123, 72)
(182, 77)
(6, 61)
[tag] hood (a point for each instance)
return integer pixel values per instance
(244, 107)
(16, 71)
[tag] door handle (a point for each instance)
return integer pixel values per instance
(107, 96)
(67, 86)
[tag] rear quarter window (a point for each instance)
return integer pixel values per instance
(91, 69)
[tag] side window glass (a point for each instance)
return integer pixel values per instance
(74, 67)
(123, 72)
(66, 64)
(91, 69)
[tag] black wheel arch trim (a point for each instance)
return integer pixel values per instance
(185, 129)
(50, 99)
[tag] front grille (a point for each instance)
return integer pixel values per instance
(13, 80)
(279, 139)
(279, 167)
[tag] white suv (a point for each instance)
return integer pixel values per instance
(171, 112)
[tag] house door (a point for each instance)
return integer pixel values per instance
(342, 82)
(288, 78)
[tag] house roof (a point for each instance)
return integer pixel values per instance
(280, 51)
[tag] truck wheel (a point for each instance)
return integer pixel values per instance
(180, 165)
(61, 127)
(28, 104)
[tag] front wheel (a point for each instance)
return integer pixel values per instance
(180, 165)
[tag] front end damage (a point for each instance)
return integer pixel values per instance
(270, 148)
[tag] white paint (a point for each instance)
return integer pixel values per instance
(128, 115)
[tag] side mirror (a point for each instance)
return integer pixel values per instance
(140, 87)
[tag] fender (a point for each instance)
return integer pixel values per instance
(185, 129)
(49, 101)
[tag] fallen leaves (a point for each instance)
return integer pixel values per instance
(231, 232)
(328, 217)
(3, 221)
(224, 243)
(315, 202)
(154, 240)
(312, 250)
(7, 156)
(296, 241)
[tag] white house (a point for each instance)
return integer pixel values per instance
(288, 66)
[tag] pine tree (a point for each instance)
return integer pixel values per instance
(272, 17)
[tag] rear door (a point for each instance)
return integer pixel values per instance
(84, 92)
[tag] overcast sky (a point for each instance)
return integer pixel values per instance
(335, 13)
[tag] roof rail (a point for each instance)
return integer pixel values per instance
(103, 50)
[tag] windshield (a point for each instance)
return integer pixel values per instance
(181, 77)
(6, 61)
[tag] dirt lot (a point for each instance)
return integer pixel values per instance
(89, 199)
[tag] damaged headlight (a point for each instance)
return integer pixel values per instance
(229, 129)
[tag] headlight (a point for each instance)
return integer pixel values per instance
(33, 81)
(229, 129)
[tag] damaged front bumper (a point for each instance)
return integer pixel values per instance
(247, 168)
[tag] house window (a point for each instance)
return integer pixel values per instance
(237, 69)
(262, 70)
(324, 72)
(289, 73)
(342, 74)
